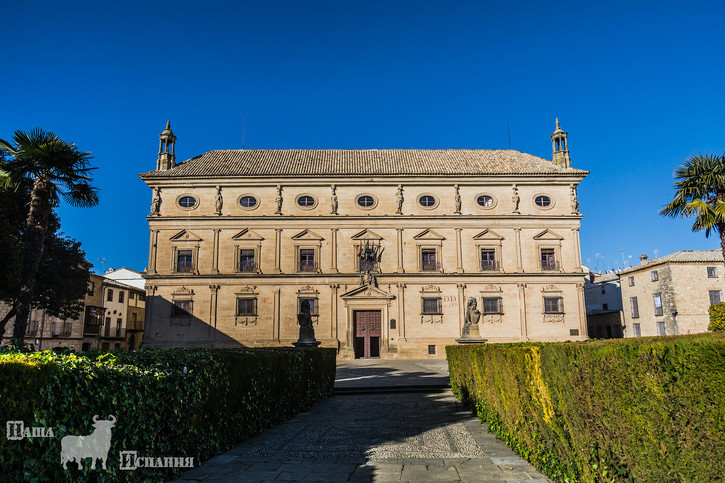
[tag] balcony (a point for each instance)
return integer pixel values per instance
(114, 333)
(248, 267)
(368, 266)
(185, 267)
(305, 266)
(489, 265)
(430, 267)
(92, 329)
(550, 265)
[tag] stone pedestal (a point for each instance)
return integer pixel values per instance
(307, 338)
(473, 337)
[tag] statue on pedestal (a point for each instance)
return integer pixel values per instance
(473, 315)
(307, 331)
(219, 201)
(156, 202)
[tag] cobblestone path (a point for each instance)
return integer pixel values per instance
(415, 437)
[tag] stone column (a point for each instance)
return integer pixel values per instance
(519, 267)
(276, 316)
(213, 310)
(522, 310)
(333, 311)
(153, 247)
(582, 310)
(215, 252)
(461, 306)
(333, 254)
(577, 250)
(459, 253)
(400, 251)
(401, 309)
(277, 249)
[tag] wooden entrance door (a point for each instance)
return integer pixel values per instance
(367, 333)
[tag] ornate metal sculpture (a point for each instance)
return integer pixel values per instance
(307, 331)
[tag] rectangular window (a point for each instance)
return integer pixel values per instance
(184, 262)
(131, 295)
(247, 306)
(492, 305)
(655, 275)
(314, 308)
(631, 281)
(553, 305)
(604, 290)
(634, 305)
(247, 263)
(661, 328)
(605, 307)
(120, 295)
(109, 295)
(119, 323)
(637, 330)
(658, 303)
(715, 296)
(432, 305)
(548, 259)
(488, 259)
(431, 349)
(307, 260)
(142, 297)
(181, 308)
(428, 259)
(108, 327)
(711, 272)
(92, 287)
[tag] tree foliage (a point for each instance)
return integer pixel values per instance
(63, 272)
(49, 169)
(700, 193)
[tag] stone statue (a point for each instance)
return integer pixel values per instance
(399, 200)
(307, 331)
(473, 315)
(333, 201)
(278, 201)
(156, 202)
(458, 199)
(574, 200)
(515, 198)
(219, 200)
(370, 279)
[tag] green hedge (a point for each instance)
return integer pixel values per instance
(168, 403)
(717, 317)
(645, 409)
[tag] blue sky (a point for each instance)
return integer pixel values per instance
(638, 86)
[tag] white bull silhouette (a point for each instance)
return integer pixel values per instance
(95, 446)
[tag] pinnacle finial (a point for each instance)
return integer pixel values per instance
(557, 123)
(168, 123)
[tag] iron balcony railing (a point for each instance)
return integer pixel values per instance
(185, 267)
(431, 266)
(489, 265)
(307, 267)
(248, 267)
(549, 265)
(368, 266)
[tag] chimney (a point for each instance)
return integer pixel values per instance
(642, 259)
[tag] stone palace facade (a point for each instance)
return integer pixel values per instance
(386, 245)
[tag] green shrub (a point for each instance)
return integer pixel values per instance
(168, 403)
(645, 409)
(717, 317)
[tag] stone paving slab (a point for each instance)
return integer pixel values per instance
(377, 437)
(379, 373)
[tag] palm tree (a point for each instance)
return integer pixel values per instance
(700, 185)
(55, 169)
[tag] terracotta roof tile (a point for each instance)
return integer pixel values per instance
(362, 162)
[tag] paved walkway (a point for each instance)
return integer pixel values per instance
(406, 436)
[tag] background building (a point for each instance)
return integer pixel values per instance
(386, 245)
(603, 296)
(670, 295)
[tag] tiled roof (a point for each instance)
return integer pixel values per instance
(362, 162)
(683, 256)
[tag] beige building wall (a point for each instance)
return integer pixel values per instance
(684, 287)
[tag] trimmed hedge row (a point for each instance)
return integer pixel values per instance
(645, 409)
(168, 403)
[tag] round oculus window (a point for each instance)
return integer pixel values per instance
(427, 200)
(248, 201)
(366, 201)
(485, 201)
(187, 202)
(542, 201)
(306, 201)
